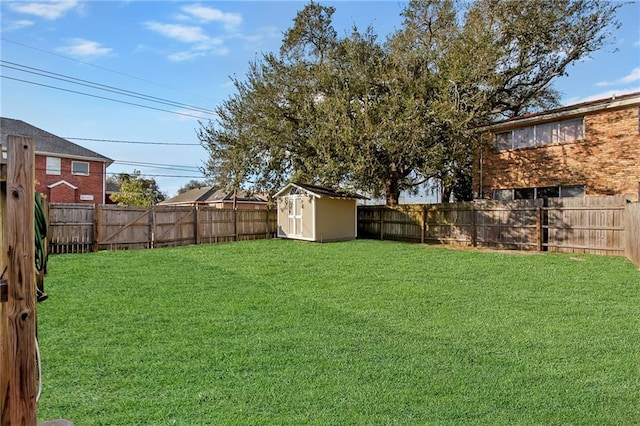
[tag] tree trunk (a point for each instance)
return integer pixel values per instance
(391, 190)
(446, 194)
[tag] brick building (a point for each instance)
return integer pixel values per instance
(591, 148)
(65, 172)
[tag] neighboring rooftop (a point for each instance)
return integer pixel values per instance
(47, 143)
(209, 195)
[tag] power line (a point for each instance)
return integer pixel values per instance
(101, 97)
(103, 68)
(159, 166)
(158, 175)
(134, 142)
(99, 86)
(153, 175)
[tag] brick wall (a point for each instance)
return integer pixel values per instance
(607, 161)
(88, 186)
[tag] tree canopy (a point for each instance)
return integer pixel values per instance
(384, 116)
(193, 184)
(136, 190)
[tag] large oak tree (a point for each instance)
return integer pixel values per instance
(384, 116)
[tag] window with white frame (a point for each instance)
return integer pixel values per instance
(541, 134)
(53, 166)
(80, 168)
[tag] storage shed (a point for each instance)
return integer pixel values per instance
(316, 213)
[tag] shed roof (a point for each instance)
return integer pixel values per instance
(209, 195)
(320, 191)
(47, 143)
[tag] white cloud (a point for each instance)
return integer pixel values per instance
(208, 14)
(17, 25)
(50, 10)
(85, 48)
(603, 95)
(185, 56)
(201, 43)
(178, 32)
(634, 75)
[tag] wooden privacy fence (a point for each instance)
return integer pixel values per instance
(598, 225)
(79, 228)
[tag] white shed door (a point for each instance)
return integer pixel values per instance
(295, 216)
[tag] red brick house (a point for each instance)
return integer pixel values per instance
(591, 148)
(65, 172)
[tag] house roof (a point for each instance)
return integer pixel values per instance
(209, 195)
(320, 191)
(47, 143)
(610, 103)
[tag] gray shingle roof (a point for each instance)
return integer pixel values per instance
(323, 191)
(47, 143)
(209, 195)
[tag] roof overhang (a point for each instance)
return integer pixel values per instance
(567, 112)
(106, 160)
(317, 195)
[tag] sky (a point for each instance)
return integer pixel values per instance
(165, 66)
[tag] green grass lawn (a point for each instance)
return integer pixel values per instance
(364, 332)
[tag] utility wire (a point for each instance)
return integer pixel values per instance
(164, 167)
(153, 175)
(99, 86)
(103, 68)
(134, 142)
(101, 97)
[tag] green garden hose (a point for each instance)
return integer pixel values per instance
(40, 222)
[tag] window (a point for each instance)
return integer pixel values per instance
(541, 192)
(572, 191)
(54, 166)
(541, 134)
(80, 168)
(503, 194)
(524, 193)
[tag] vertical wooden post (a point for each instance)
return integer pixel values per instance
(539, 230)
(97, 225)
(21, 304)
(152, 227)
(4, 331)
(196, 223)
(474, 228)
(235, 224)
(382, 223)
(423, 224)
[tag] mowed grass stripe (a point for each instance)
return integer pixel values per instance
(363, 332)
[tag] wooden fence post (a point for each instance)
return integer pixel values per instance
(4, 288)
(235, 224)
(97, 222)
(423, 224)
(21, 303)
(539, 229)
(474, 228)
(196, 223)
(152, 228)
(382, 223)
